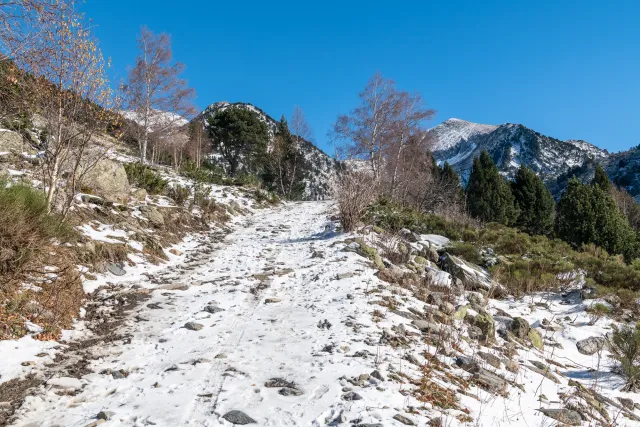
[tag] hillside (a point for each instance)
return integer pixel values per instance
(280, 323)
(322, 170)
(510, 145)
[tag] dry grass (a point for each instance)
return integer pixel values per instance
(38, 278)
(356, 190)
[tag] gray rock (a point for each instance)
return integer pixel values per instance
(472, 277)
(474, 332)
(272, 300)
(352, 395)
(404, 420)
(153, 215)
(426, 326)
(491, 359)
(105, 415)
(193, 326)
(566, 416)
(213, 309)
(279, 382)
(290, 391)
(627, 403)
(116, 270)
(377, 375)
(520, 328)
(590, 345)
(239, 418)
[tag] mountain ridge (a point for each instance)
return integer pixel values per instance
(458, 141)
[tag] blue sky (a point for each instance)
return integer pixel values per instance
(568, 69)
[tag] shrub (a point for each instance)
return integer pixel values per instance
(624, 344)
(25, 226)
(179, 194)
(144, 176)
(597, 311)
(356, 190)
(27, 234)
(468, 251)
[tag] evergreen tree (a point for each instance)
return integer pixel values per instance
(448, 175)
(601, 179)
(286, 165)
(533, 201)
(489, 196)
(240, 137)
(587, 214)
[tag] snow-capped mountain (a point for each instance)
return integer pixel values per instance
(158, 120)
(322, 168)
(510, 145)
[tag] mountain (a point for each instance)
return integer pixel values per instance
(510, 145)
(322, 168)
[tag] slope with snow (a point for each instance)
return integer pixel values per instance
(280, 323)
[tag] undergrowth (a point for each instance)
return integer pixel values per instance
(38, 277)
(524, 263)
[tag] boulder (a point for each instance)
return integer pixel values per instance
(139, 194)
(536, 339)
(590, 345)
(566, 416)
(520, 328)
(487, 325)
(472, 277)
(108, 179)
(153, 215)
(238, 418)
(12, 142)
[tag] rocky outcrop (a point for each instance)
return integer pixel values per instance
(12, 142)
(108, 179)
(472, 277)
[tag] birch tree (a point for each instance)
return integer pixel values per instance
(74, 98)
(158, 98)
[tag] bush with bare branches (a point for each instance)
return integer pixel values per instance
(356, 190)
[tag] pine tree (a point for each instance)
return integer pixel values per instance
(601, 179)
(240, 137)
(534, 203)
(286, 164)
(489, 196)
(448, 175)
(587, 214)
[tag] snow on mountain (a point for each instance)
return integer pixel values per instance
(454, 131)
(322, 168)
(510, 145)
(158, 119)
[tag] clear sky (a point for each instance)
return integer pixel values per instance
(568, 69)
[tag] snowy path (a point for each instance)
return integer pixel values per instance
(177, 376)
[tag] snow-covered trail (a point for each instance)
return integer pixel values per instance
(177, 376)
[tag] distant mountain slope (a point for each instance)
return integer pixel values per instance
(510, 145)
(323, 168)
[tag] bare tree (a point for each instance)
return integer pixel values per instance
(73, 94)
(199, 144)
(21, 24)
(380, 129)
(365, 129)
(406, 131)
(157, 96)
